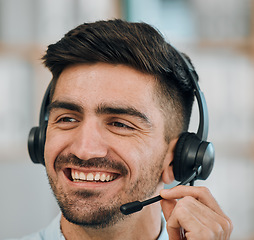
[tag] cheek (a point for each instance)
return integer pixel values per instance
(55, 143)
(137, 155)
(150, 158)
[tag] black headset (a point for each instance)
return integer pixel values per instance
(193, 156)
(37, 135)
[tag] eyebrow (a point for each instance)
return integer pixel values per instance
(125, 110)
(101, 109)
(65, 105)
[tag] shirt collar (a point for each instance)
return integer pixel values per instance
(54, 230)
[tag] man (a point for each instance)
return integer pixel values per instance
(120, 98)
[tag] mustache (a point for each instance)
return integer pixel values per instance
(105, 162)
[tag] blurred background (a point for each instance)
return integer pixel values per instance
(219, 37)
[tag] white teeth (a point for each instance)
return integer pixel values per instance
(108, 178)
(89, 177)
(81, 176)
(76, 175)
(73, 174)
(103, 177)
(97, 177)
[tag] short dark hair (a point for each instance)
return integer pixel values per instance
(137, 45)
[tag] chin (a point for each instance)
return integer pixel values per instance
(100, 218)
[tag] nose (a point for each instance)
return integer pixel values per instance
(88, 141)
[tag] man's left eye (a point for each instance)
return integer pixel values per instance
(120, 125)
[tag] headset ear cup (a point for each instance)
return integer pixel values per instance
(37, 135)
(205, 158)
(33, 143)
(36, 142)
(185, 155)
(42, 139)
(177, 163)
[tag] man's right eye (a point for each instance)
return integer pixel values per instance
(66, 120)
(66, 123)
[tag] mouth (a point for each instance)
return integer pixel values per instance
(76, 175)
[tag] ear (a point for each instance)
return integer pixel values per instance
(167, 174)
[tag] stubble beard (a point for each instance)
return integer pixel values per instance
(88, 208)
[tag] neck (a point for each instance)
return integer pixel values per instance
(145, 224)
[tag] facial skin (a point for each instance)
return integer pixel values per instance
(105, 120)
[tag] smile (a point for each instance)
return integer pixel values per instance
(79, 176)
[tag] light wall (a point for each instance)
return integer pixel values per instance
(216, 34)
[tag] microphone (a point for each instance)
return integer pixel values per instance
(136, 206)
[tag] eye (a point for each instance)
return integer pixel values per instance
(66, 120)
(66, 123)
(120, 125)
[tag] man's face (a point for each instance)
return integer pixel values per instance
(105, 142)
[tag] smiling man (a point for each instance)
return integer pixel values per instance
(99, 151)
(120, 97)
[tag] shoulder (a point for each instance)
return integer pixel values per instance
(34, 236)
(52, 232)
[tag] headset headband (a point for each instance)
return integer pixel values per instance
(202, 132)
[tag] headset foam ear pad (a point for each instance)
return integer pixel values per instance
(42, 139)
(177, 156)
(185, 155)
(33, 143)
(36, 142)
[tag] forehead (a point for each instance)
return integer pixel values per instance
(104, 83)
